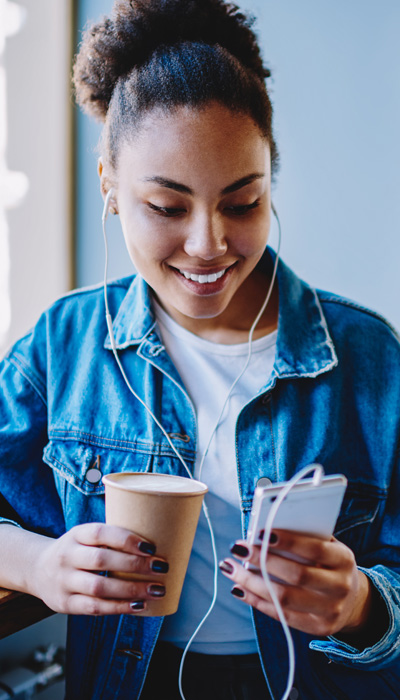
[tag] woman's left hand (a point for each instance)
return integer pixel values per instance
(328, 595)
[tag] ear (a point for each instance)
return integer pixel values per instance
(105, 185)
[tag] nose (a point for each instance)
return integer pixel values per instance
(206, 238)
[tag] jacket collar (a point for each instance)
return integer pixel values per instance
(304, 346)
(135, 318)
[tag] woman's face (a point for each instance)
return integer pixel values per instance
(193, 196)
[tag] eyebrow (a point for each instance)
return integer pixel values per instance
(179, 187)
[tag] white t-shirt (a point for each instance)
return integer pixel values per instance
(208, 370)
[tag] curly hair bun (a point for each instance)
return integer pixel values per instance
(114, 46)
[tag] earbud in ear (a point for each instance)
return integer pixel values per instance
(110, 195)
(107, 206)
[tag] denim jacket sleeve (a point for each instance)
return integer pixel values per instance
(28, 497)
(381, 559)
(387, 649)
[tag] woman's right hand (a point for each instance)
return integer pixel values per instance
(66, 574)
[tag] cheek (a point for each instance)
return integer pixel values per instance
(253, 238)
(148, 241)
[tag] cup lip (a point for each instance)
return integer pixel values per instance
(113, 478)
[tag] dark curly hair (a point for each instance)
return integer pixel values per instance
(169, 53)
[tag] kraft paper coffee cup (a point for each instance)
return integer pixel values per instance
(164, 510)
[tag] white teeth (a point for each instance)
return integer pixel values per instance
(203, 279)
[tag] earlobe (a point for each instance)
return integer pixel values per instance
(105, 188)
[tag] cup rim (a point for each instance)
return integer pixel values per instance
(113, 478)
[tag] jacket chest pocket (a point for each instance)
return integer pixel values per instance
(358, 516)
(78, 469)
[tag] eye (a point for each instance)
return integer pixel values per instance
(166, 211)
(242, 209)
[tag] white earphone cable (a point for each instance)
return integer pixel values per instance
(269, 523)
(246, 364)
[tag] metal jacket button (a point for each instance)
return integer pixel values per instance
(93, 474)
(264, 481)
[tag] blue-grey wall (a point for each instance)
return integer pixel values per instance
(336, 91)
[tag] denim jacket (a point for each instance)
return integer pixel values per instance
(333, 398)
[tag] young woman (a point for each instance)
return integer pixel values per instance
(187, 156)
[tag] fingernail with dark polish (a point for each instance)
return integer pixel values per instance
(261, 535)
(237, 592)
(147, 547)
(160, 567)
(226, 567)
(137, 605)
(156, 590)
(273, 538)
(240, 550)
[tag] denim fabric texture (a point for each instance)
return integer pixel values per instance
(333, 398)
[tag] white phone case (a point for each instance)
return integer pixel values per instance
(308, 509)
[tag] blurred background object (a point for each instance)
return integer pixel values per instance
(36, 156)
(36, 114)
(13, 185)
(32, 662)
(40, 676)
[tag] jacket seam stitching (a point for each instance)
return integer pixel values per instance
(357, 307)
(21, 368)
(157, 449)
(272, 437)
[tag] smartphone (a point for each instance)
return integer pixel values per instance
(307, 509)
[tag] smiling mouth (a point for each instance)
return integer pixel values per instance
(203, 279)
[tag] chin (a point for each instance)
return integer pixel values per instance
(201, 314)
